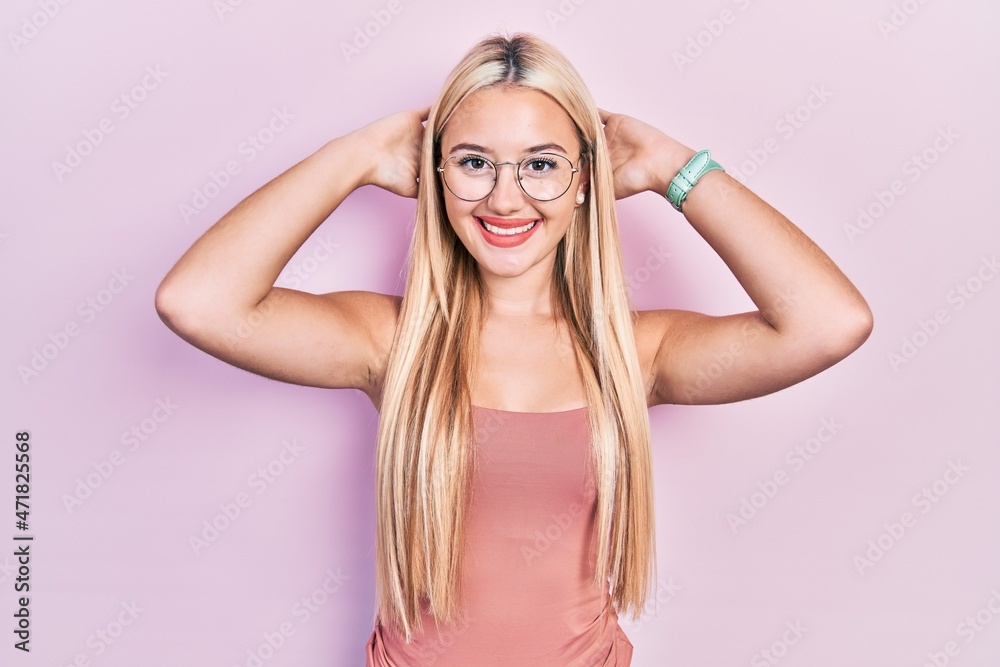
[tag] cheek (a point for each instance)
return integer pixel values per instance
(563, 215)
(458, 212)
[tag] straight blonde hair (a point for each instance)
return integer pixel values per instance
(425, 445)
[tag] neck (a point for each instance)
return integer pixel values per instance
(528, 295)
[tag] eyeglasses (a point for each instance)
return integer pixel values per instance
(543, 176)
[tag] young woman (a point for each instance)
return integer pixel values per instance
(512, 378)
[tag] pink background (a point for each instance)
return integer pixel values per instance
(726, 595)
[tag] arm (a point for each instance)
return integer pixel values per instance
(809, 317)
(220, 296)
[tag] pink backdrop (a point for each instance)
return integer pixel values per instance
(849, 520)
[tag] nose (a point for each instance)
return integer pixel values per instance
(507, 195)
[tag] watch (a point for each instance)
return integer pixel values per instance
(688, 176)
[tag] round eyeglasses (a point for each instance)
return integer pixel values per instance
(543, 176)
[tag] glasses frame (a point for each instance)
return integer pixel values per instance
(517, 174)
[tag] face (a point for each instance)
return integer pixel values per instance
(508, 125)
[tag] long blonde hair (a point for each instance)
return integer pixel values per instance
(424, 447)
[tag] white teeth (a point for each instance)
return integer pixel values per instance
(507, 232)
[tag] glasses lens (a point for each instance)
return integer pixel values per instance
(544, 177)
(469, 177)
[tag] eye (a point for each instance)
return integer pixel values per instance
(473, 163)
(540, 165)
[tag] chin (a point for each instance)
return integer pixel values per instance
(504, 266)
(507, 271)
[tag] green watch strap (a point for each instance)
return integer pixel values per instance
(688, 176)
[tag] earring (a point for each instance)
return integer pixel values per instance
(580, 197)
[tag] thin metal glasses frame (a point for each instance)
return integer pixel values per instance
(496, 171)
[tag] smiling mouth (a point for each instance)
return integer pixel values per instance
(506, 231)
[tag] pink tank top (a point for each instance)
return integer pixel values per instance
(530, 557)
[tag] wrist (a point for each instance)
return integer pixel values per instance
(672, 157)
(351, 156)
(689, 176)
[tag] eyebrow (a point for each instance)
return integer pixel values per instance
(482, 149)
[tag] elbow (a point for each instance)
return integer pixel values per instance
(866, 322)
(165, 307)
(160, 301)
(853, 328)
(170, 309)
(862, 322)
(192, 314)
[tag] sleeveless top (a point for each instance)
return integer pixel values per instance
(528, 596)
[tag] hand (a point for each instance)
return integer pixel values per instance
(394, 146)
(642, 157)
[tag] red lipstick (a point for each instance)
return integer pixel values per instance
(504, 238)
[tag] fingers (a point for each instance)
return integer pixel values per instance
(605, 115)
(425, 114)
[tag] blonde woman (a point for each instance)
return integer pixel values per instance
(512, 378)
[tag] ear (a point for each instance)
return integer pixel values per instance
(583, 185)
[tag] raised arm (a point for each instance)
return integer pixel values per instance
(809, 317)
(221, 298)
